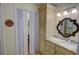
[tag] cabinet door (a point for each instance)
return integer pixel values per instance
(49, 50)
(50, 44)
(42, 27)
(59, 53)
(61, 50)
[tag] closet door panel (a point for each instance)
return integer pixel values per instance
(21, 22)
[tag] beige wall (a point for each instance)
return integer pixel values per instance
(50, 21)
(53, 20)
(9, 33)
(70, 15)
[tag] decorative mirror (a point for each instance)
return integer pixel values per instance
(68, 27)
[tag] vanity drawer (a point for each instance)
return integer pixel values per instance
(50, 44)
(49, 50)
(63, 51)
(59, 53)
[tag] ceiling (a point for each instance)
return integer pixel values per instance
(64, 5)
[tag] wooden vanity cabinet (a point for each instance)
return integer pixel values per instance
(63, 51)
(53, 49)
(50, 48)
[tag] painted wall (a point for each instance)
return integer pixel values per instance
(0, 31)
(70, 15)
(9, 36)
(50, 21)
(53, 20)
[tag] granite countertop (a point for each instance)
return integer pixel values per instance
(64, 43)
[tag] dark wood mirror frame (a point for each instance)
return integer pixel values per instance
(73, 33)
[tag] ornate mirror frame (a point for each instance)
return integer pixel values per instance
(74, 23)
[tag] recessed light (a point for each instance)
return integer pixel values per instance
(74, 11)
(58, 14)
(65, 13)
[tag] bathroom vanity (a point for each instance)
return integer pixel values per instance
(55, 46)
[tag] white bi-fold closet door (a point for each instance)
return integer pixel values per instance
(22, 19)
